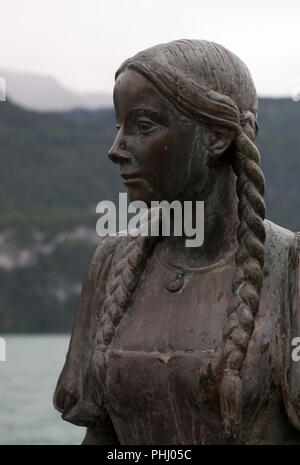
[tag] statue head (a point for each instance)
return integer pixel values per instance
(179, 108)
(186, 111)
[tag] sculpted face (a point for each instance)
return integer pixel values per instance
(160, 152)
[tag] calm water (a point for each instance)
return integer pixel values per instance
(27, 383)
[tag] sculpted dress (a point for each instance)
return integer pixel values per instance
(164, 365)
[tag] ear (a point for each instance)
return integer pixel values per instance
(220, 141)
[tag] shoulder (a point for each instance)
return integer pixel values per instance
(110, 249)
(282, 249)
(277, 237)
(278, 244)
(109, 245)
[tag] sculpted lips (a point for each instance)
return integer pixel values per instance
(130, 178)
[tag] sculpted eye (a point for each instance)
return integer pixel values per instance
(118, 127)
(146, 126)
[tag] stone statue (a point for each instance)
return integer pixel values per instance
(178, 345)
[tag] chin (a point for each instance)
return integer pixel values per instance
(141, 194)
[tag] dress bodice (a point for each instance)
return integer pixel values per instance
(164, 365)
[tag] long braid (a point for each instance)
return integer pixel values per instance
(126, 277)
(119, 297)
(247, 281)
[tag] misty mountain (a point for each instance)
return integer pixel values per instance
(44, 93)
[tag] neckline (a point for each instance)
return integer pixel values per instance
(200, 269)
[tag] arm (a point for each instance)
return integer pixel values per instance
(101, 435)
(74, 395)
(290, 369)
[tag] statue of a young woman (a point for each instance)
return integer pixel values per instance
(176, 344)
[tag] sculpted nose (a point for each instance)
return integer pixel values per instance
(118, 152)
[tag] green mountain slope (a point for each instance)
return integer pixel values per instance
(55, 170)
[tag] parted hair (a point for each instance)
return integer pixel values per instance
(209, 84)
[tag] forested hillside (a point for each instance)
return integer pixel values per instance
(55, 170)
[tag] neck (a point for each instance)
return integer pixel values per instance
(220, 225)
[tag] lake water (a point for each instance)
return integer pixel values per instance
(27, 382)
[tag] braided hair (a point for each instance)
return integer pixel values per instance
(119, 296)
(209, 84)
(248, 277)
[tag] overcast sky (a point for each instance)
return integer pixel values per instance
(82, 42)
